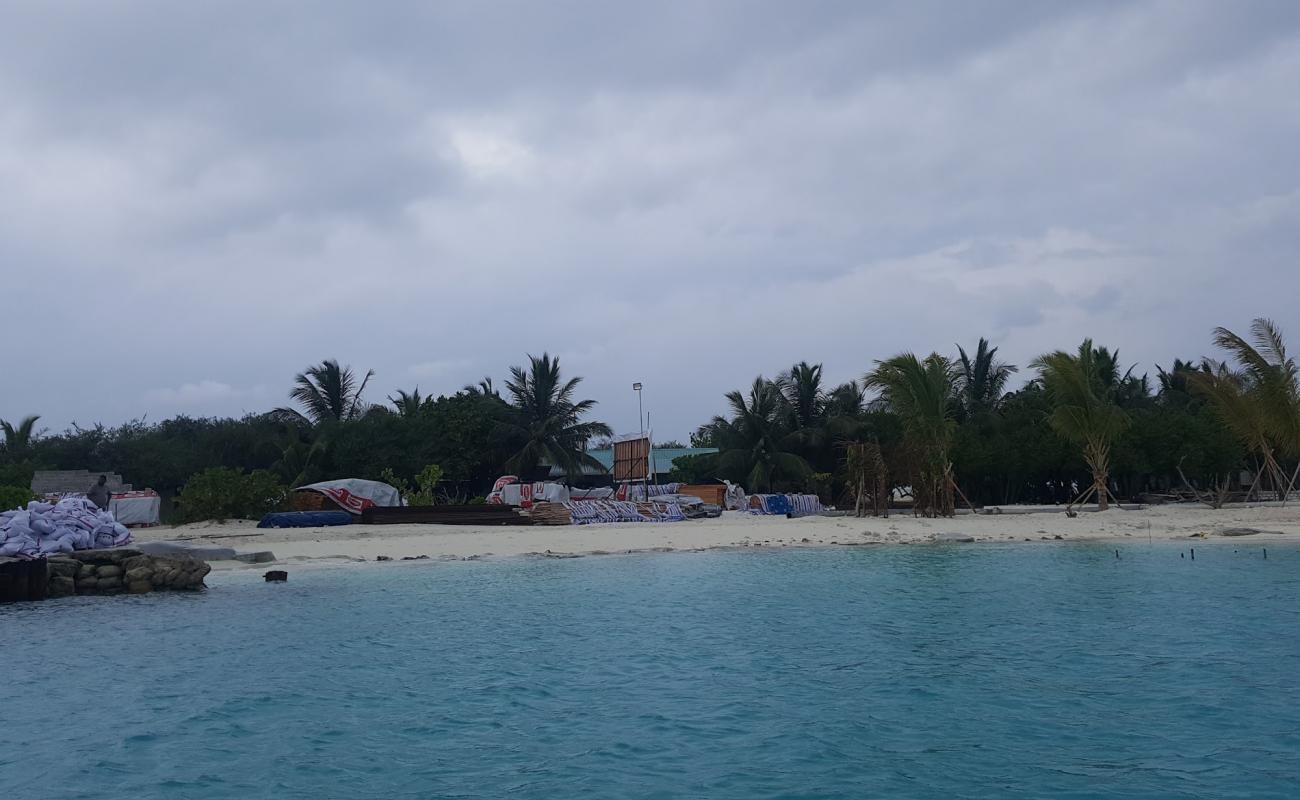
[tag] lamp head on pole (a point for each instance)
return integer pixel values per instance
(636, 387)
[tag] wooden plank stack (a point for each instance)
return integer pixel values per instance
(446, 515)
(550, 514)
(709, 493)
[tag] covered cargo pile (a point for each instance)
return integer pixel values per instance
(587, 512)
(353, 495)
(797, 505)
(73, 523)
(142, 507)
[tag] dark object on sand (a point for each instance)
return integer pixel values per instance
(1245, 532)
(305, 519)
(444, 515)
(277, 576)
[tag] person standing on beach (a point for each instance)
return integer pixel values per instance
(99, 493)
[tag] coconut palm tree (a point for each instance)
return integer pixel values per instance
(920, 392)
(298, 461)
(410, 404)
(1176, 383)
(847, 399)
(327, 393)
(483, 387)
(18, 440)
(1081, 388)
(548, 420)
(752, 442)
(1259, 402)
(982, 380)
(801, 388)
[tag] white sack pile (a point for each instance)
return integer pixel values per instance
(74, 523)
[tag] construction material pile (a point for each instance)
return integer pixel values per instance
(73, 523)
(790, 505)
(587, 512)
(551, 514)
(446, 515)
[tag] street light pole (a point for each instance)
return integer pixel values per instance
(640, 417)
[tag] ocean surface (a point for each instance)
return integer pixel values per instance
(1007, 671)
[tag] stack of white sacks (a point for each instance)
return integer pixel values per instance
(73, 523)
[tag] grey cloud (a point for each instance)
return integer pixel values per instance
(218, 195)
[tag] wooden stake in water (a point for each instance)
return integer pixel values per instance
(1193, 553)
(1266, 554)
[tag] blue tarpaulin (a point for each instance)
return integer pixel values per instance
(305, 519)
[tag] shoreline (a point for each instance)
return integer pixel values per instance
(355, 544)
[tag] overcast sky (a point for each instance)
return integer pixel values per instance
(197, 200)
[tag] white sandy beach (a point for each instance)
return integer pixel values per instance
(367, 542)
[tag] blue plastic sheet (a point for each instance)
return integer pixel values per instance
(305, 519)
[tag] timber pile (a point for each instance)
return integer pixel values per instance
(445, 515)
(551, 514)
(715, 494)
(311, 501)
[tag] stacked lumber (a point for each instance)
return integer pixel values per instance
(551, 514)
(311, 501)
(709, 493)
(445, 515)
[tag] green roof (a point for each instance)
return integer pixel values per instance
(663, 457)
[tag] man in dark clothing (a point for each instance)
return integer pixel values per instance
(99, 493)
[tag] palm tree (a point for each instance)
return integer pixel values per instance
(327, 393)
(298, 461)
(1176, 384)
(982, 380)
(920, 392)
(1259, 402)
(1081, 388)
(483, 387)
(752, 441)
(801, 388)
(18, 440)
(847, 399)
(548, 419)
(410, 404)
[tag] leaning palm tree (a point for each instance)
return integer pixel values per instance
(1081, 389)
(410, 404)
(548, 420)
(752, 441)
(982, 380)
(920, 392)
(1260, 402)
(298, 461)
(18, 439)
(327, 393)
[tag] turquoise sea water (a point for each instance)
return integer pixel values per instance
(921, 672)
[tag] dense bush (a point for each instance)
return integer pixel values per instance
(16, 474)
(221, 493)
(12, 497)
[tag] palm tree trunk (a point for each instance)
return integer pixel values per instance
(1098, 460)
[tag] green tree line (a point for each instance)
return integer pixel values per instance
(1082, 429)
(331, 431)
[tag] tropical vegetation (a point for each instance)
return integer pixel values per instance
(936, 432)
